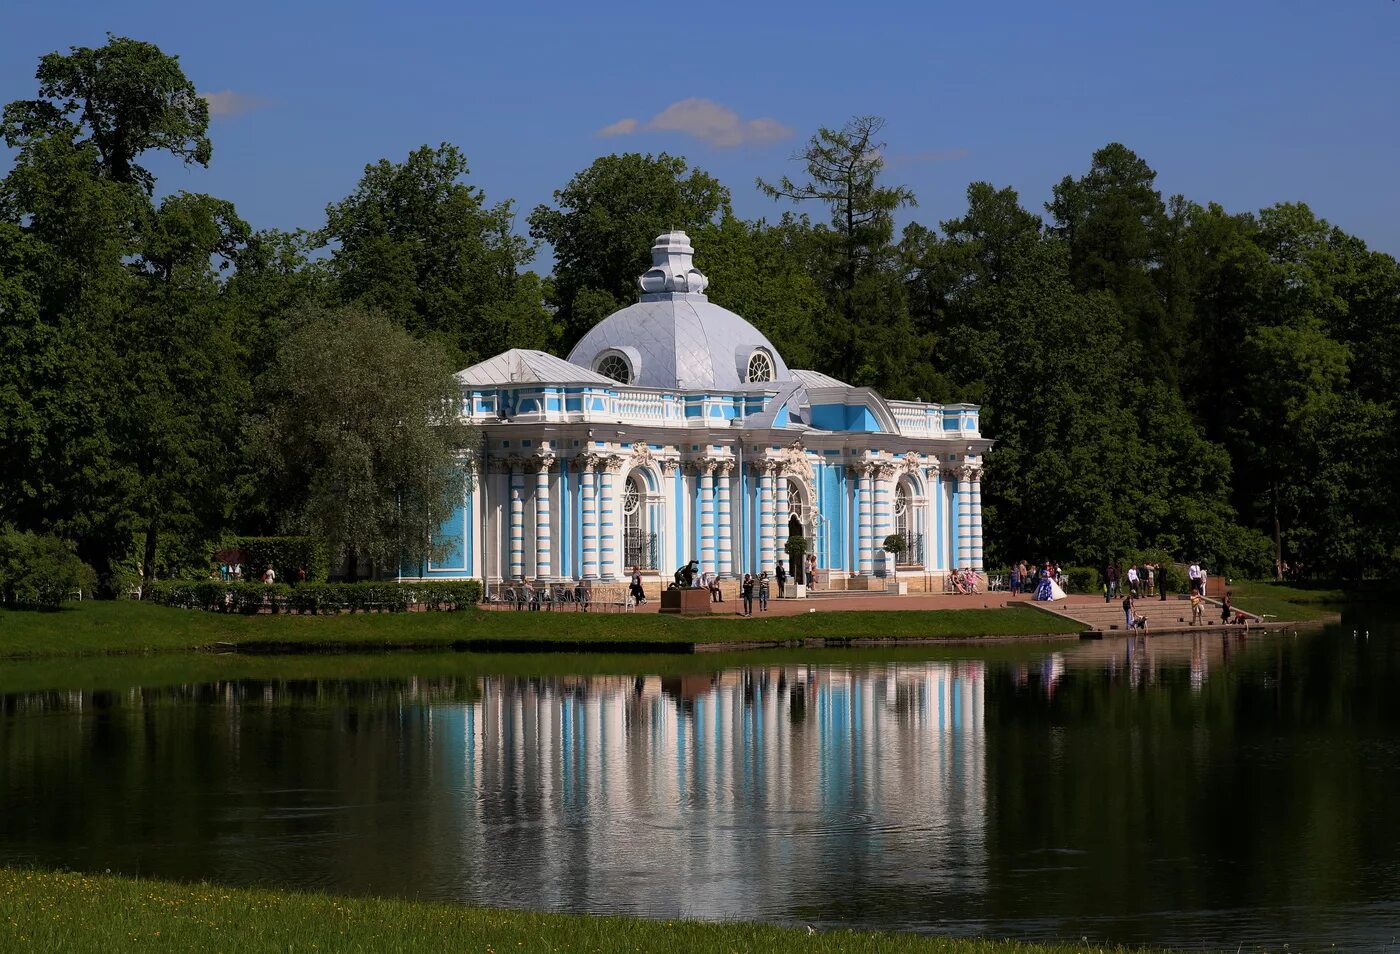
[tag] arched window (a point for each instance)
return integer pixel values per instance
(614, 365)
(639, 546)
(760, 366)
(906, 526)
(797, 510)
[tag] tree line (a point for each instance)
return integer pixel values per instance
(1160, 374)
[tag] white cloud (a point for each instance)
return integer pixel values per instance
(707, 121)
(229, 103)
(622, 127)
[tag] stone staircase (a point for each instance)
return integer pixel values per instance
(1172, 614)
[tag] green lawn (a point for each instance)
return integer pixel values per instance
(1286, 602)
(46, 912)
(123, 626)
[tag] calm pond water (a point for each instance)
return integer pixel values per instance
(1203, 792)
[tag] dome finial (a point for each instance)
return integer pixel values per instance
(672, 272)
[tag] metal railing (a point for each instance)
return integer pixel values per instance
(913, 552)
(639, 549)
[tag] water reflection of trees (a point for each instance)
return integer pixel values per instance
(1214, 776)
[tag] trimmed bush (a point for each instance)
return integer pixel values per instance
(40, 571)
(368, 597)
(1083, 579)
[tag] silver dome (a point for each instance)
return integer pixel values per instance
(675, 337)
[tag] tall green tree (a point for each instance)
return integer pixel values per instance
(418, 243)
(359, 435)
(183, 389)
(125, 98)
(759, 270)
(603, 223)
(1112, 218)
(875, 341)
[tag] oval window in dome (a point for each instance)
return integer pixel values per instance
(760, 366)
(615, 366)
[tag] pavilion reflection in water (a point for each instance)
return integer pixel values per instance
(615, 784)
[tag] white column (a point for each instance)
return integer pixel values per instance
(976, 508)
(587, 487)
(964, 540)
(866, 515)
(706, 469)
(767, 553)
(781, 514)
(726, 531)
(517, 522)
(544, 543)
(607, 522)
(884, 511)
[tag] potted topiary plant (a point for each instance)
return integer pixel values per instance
(796, 548)
(894, 545)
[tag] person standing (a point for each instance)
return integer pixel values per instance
(781, 572)
(1196, 606)
(1128, 612)
(1193, 573)
(1015, 579)
(746, 588)
(639, 595)
(763, 591)
(1151, 579)
(1204, 574)
(1133, 581)
(811, 571)
(1112, 575)
(1162, 582)
(1225, 609)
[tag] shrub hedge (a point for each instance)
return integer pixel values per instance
(1083, 579)
(40, 570)
(219, 597)
(285, 555)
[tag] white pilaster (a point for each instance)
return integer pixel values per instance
(608, 524)
(866, 517)
(706, 470)
(544, 543)
(965, 557)
(976, 507)
(726, 532)
(587, 488)
(767, 551)
(782, 513)
(517, 522)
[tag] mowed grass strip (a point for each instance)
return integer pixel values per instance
(73, 913)
(125, 626)
(1281, 602)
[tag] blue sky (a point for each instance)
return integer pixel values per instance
(1243, 102)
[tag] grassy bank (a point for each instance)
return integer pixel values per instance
(123, 626)
(1287, 603)
(40, 911)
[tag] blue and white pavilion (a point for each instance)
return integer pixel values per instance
(675, 431)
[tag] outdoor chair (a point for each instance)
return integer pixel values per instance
(996, 583)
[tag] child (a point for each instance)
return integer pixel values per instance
(1196, 606)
